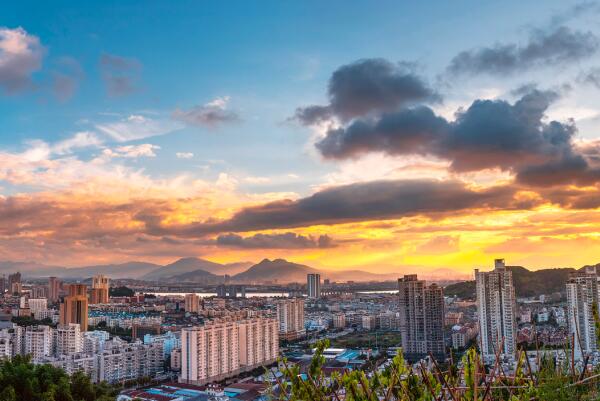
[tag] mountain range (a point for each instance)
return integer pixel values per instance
(193, 269)
(280, 271)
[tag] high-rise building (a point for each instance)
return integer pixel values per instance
(223, 348)
(3, 285)
(37, 304)
(313, 285)
(421, 317)
(290, 315)
(582, 295)
(68, 339)
(74, 307)
(14, 283)
(118, 361)
(38, 342)
(6, 346)
(497, 311)
(53, 289)
(231, 291)
(192, 303)
(258, 341)
(100, 289)
(121, 361)
(139, 331)
(339, 321)
(93, 341)
(39, 291)
(209, 352)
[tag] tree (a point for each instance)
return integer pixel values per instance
(121, 292)
(21, 380)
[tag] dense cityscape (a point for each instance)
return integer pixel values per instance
(229, 344)
(300, 200)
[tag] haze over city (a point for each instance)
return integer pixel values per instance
(340, 135)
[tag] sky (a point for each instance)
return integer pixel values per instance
(390, 137)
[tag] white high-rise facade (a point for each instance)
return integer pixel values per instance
(496, 309)
(37, 304)
(582, 295)
(290, 314)
(209, 352)
(223, 348)
(313, 285)
(68, 339)
(38, 342)
(6, 345)
(259, 341)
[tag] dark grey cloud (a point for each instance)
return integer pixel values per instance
(21, 55)
(571, 170)
(368, 85)
(488, 134)
(495, 133)
(287, 240)
(407, 131)
(210, 114)
(556, 46)
(120, 74)
(313, 114)
(356, 202)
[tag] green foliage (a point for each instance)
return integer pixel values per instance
(121, 292)
(463, 290)
(527, 283)
(469, 381)
(20, 380)
(30, 321)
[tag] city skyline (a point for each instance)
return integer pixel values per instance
(234, 134)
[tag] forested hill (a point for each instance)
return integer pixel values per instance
(527, 283)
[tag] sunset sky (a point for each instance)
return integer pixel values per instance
(344, 135)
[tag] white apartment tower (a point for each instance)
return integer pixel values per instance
(209, 352)
(223, 348)
(313, 285)
(68, 339)
(582, 295)
(38, 342)
(290, 314)
(258, 341)
(6, 345)
(37, 305)
(497, 310)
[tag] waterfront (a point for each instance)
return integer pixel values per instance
(214, 294)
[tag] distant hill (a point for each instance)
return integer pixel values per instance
(282, 271)
(527, 283)
(356, 275)
(277, 270)
(122, 270)
(193, 270)
(196, 276)
(188, 265)
(31, 269)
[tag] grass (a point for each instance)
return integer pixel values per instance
(363, 339)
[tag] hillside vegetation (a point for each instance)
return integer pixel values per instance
(21, 380)
(527, 283)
